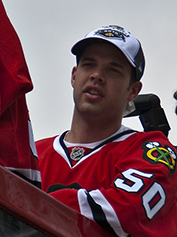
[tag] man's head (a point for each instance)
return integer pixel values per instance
(122, 39)
(106, 78)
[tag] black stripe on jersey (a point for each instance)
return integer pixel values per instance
(34, 182)
(98, 214)
(100, 145)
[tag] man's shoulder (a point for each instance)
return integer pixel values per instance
(44, 144)
(150, 134)
(45, 140)
(137, 139)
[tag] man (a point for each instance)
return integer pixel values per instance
(124, 180)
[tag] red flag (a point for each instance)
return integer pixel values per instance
(17, 149)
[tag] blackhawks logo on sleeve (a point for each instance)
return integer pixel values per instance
(155, 153)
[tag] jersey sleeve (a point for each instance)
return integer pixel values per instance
(141, 200)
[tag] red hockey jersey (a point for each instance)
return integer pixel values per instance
(17, 148)
(127, 183)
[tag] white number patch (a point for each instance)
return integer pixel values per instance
(155, 189)
(133, 184)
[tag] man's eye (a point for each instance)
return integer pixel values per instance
(114, 70)
(88, 64)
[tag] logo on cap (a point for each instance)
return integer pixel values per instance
(113, 31)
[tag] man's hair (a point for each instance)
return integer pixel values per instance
(133, 77)
(78, 57)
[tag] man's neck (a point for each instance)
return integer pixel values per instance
(87, 131)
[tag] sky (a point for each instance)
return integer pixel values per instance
(49, 28)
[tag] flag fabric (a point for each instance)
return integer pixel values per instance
(17, 148)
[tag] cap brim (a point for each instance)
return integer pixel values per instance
(81, 45)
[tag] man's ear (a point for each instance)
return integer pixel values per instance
(134, 90)
(73, 75)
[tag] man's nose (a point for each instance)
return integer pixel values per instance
(97, 77)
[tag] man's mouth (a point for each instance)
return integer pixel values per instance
(94, 91)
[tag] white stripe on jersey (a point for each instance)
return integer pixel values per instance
(106, 207)
(33, 175)
(83, 204)
(31, 139)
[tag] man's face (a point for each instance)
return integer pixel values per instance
(101, 82)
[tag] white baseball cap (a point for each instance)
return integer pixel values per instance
(122, 39)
